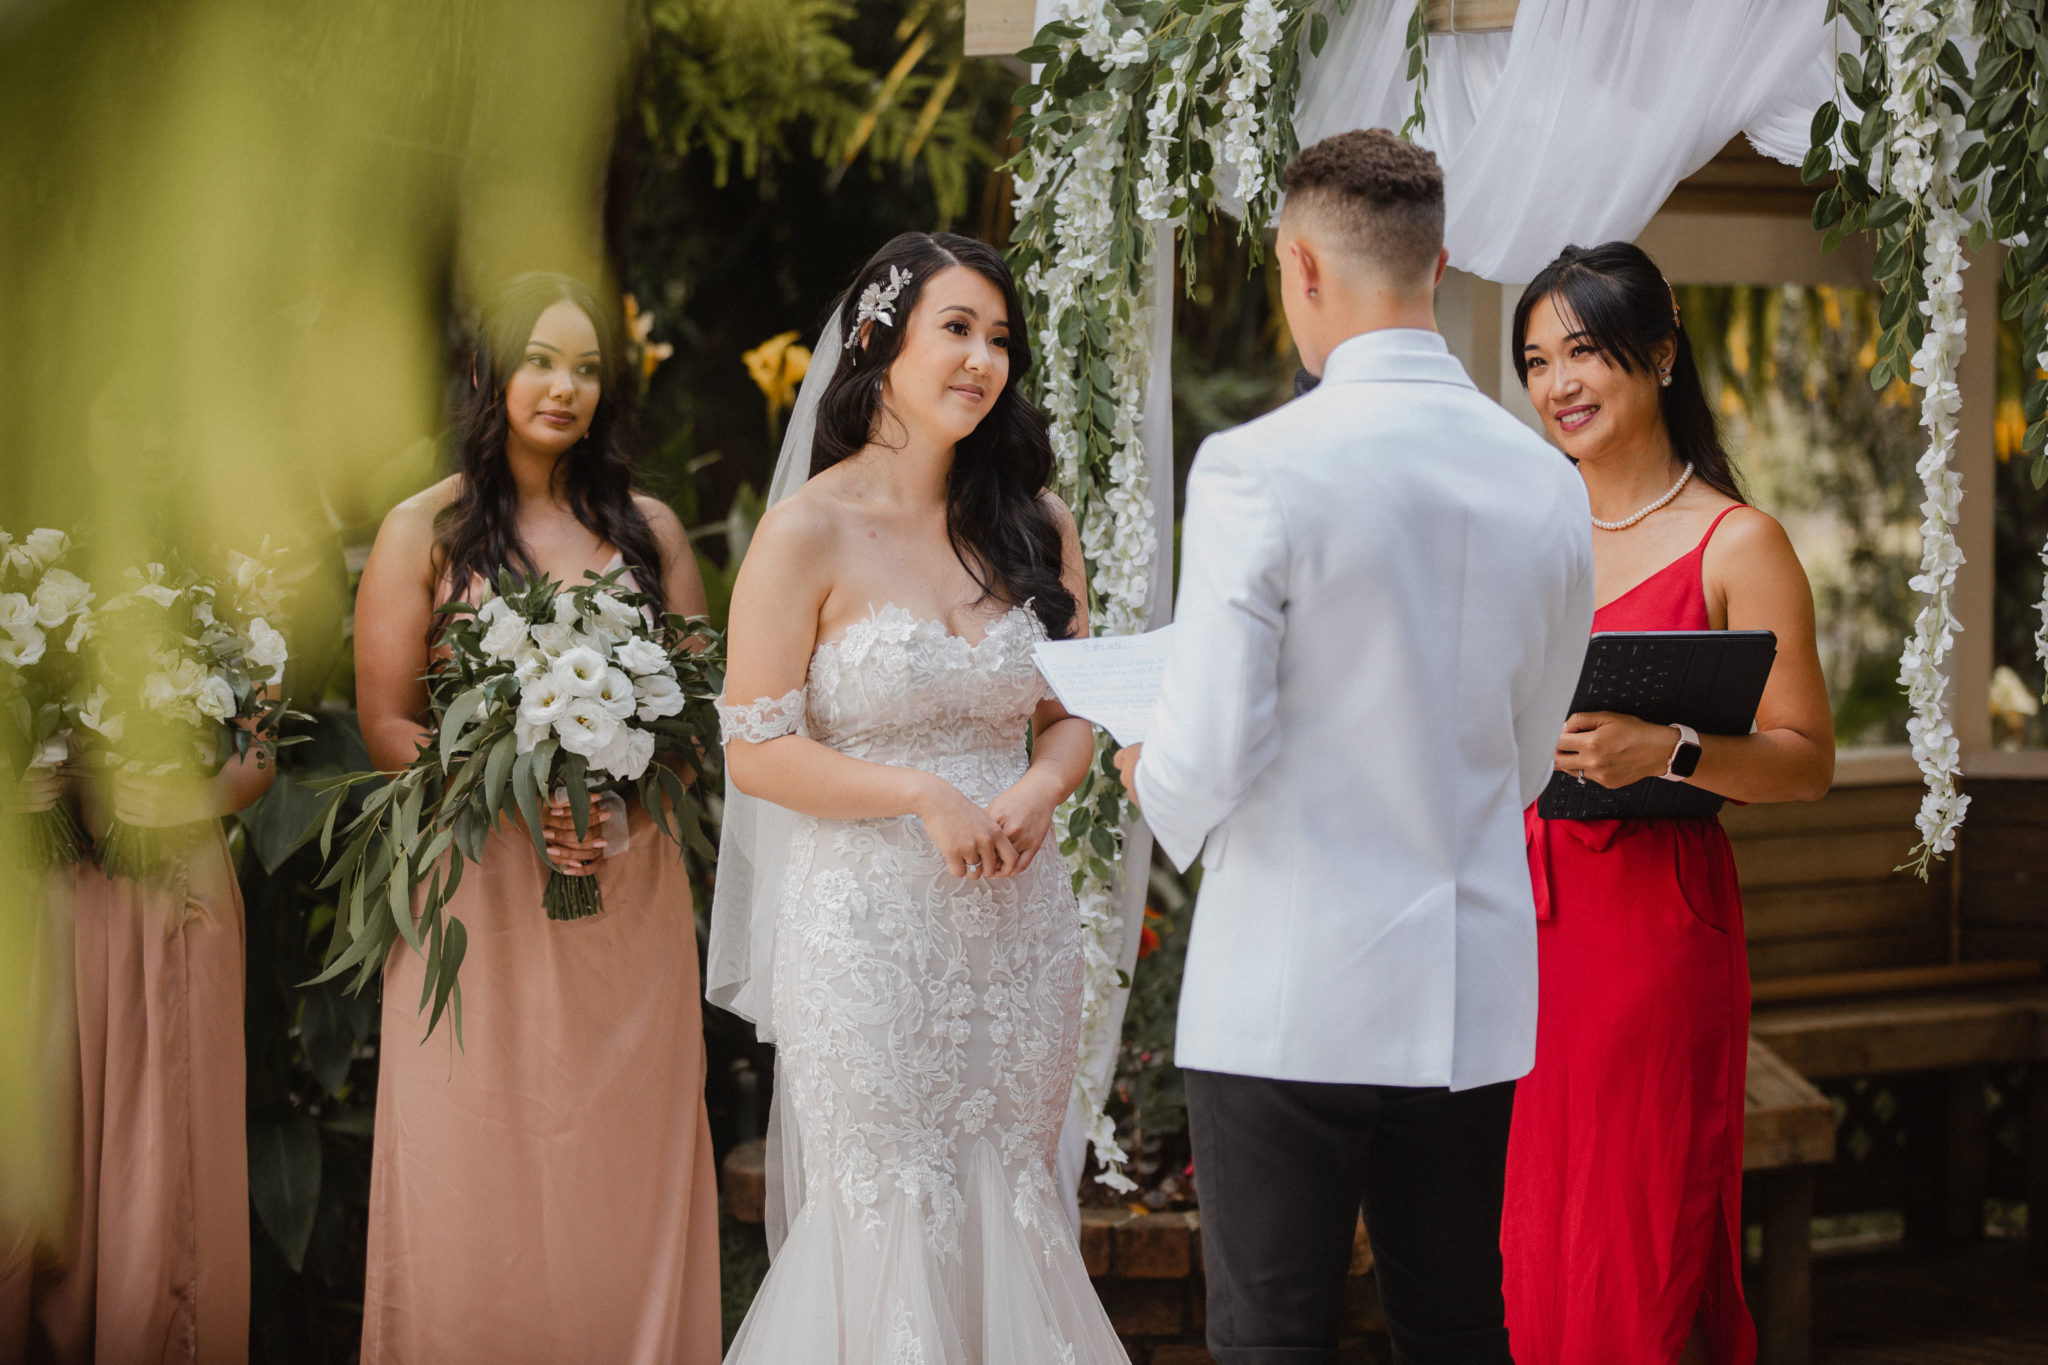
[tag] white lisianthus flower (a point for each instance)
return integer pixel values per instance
(554, 638)
(92, 714)
(22, 647)
(542, 701)
(504, 630)
(628, 754)
(580, 670)
(586, 727)
(47, 546)
(524, 736)
(58, 596)
(529, 663)
(641, 656)
(659, 695)
(158, 593)
(215, 699)
(565, 610)
(267, 649)
(615, 693)
(16, 611)
(81, 631)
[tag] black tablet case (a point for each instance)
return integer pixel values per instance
(1711, 680)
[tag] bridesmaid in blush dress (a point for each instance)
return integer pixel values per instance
(1621, 1235)
(544, 1193)
(154, 1269)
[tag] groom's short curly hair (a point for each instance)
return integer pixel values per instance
(1378, 195)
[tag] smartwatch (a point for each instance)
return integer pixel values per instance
(1685, 759)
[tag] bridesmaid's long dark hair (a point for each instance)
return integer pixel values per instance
(1616, 295)
(1001, 529)
(478, 533)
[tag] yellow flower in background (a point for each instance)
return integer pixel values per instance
(778, 365)
(640, 328)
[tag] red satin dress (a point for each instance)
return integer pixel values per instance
(1623, 1215)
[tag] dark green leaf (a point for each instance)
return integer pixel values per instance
(1318, 33)
(1950, 60)
(1860, 17)
(1880, 374)
(327, 1036)
(1827, 210)
(1818, 161)
(284, 1182)
(1851, 72)
(1825, 120)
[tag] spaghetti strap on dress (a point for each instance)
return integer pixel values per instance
(1622, 1222)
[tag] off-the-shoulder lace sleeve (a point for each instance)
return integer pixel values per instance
(758, 722)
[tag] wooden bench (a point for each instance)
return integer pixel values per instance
(1788, 1130)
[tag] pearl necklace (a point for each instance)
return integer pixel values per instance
(1624, 525)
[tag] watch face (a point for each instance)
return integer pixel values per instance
(1686, 760)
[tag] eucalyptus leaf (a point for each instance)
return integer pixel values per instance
(284, 1182)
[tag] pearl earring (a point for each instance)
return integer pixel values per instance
(1664, 378)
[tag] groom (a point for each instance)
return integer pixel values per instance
(1385, 591)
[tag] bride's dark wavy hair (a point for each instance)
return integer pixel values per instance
(1001, 528)
(478, 532)
(1619, 299)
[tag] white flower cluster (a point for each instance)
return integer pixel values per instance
(42, 600)
(1112, 505)
(189, 676)
(585, 677)
(1155, 185)
(1922, 154)
(1246, 123)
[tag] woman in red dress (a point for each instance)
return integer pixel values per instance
(1621, 1233)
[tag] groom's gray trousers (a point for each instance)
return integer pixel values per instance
(1284, 1168)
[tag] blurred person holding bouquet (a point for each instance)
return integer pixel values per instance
(169, 727)
(544, 1190)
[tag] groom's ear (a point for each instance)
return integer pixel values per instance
(1306, 264)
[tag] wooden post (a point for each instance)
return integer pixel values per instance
(1968, 1155)
(1786, 1332)
(2037, 1170)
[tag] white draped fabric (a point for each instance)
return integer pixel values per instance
(1575, 126)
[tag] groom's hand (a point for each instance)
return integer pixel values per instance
(1126, 761)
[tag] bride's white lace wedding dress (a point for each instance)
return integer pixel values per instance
(927, 1029)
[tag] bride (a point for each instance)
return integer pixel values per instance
(888, 913)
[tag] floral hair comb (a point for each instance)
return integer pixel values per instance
(877, 302)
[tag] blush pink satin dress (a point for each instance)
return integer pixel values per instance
(154, 1269)
(546, 1192)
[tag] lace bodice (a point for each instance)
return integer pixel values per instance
(927, 1027)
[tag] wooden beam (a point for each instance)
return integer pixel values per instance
(1942, 976)
(999, 28)
(1470, 16)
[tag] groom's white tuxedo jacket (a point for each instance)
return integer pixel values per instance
(1385, 592)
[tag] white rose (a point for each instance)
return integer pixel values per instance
(22, 647)
(187, 677)
(504, 629)
(580, 669)
(60, 594)
(47, 545)
(554, 637)
(659, 695)
(615, 693)
(267, 648)
(215, 699)
(159, 693)
(81, 631)
(542, 702)
(627, 756)
(16, 611)
(640, 656)
(613, 617)
(586, 727)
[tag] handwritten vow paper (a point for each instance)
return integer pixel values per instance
(1112, 680)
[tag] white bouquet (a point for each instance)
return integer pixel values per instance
(543, 689)
(186, 679)
(45, 616)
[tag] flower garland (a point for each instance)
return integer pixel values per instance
(1899, 134)
(1134, 110)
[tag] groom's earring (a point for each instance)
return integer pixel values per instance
(1311, 291)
